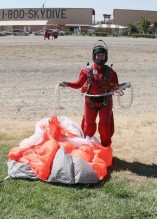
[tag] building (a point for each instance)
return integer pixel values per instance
(110, 28)
(125, 16)
(32, 19)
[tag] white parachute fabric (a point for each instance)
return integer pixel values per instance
(43, 125)
(58, 152)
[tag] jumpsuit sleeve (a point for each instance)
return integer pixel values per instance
(80, 82)
(113, 80)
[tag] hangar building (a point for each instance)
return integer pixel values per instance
(125, 16)
(32, 19)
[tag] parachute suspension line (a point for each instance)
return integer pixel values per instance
(56, 102)
(125, 101)
(75, 91)
(57, 98)
(6, 178)
(118, 90)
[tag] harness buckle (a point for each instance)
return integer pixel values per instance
(121, 93)
(106, 101)
(92, 104)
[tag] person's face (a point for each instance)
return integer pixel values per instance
(100, 56)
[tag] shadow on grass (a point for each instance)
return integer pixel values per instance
(141, 169)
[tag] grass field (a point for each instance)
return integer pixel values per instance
(115, 197)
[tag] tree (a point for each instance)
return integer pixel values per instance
(132, 29)
(144, 25)
(155, 26)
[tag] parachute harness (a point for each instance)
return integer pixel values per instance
(104, 99)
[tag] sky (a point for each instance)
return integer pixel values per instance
(100, 6)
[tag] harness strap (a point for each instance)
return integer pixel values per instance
(90, 79)
(95, 108)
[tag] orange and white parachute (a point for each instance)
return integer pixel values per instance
(58, 152)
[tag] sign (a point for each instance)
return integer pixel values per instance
(56, 15)
(29, 14)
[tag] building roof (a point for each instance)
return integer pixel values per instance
(23, 23)
(77, 25)
(112, 26)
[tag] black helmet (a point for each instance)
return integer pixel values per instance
(100, 47)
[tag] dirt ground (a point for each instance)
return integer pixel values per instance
(31, 68)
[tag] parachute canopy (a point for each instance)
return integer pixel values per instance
(58, 152)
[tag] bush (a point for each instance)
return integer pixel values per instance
(143, 35)
(67, 32)
(101, 34)
(83, 33)
(115, 34)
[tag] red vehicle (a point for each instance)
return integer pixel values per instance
(51, 32)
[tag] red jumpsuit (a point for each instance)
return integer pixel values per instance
(47, 35)
(97, 105)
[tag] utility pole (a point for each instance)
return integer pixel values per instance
(44, 4)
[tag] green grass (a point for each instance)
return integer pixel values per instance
(116, 197)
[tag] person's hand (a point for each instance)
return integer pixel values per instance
(63, 84)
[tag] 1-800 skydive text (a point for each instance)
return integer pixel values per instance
(27, 14)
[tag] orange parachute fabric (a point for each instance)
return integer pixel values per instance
(56, 131)
(40, 157)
